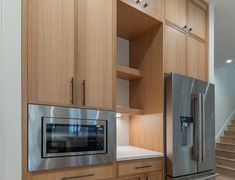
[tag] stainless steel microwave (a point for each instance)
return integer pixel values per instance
(60, 137)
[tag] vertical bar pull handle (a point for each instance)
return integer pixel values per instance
(199, 127)
(72, 91)
(201, 133)
(84, 92)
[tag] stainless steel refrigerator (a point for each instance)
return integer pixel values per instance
(189, 128)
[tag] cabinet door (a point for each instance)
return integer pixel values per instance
(197, 19)
(154, 176)
(132, 178)
(196, 59)
(175, 51)
(154, 6)
(50, 51)
(96, 39)
(175, 12)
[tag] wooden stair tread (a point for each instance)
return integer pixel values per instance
(223, 143)
(224, 150)
(224, 158)
(228, 137)
(225, 167)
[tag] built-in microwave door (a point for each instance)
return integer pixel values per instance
(73, 137)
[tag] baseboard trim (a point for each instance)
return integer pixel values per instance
(221, 132)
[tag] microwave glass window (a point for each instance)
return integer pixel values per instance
(70, 138)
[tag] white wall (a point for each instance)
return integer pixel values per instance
(123, 93)
(10, 90)
(224, 95)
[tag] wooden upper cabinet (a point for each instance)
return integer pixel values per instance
(71, 52)
(196, 59)
(153, 8)
(96, 38)
(50, 51)
(175, 12)
(197, 18)
(175, 51)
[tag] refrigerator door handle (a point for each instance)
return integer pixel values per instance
(198, 111)
(201, 127)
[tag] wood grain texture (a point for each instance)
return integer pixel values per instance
(197, 20)
(175, 12)
(196, 58)
(146, 54)
(127, 168)
(50, 50)
(147, 132)
(127, 73)
(131, 22)
(139, 177)
(129, 111)
(95, 27)
(154, 8)
(155, 176)
(104, 172)
(175, 51)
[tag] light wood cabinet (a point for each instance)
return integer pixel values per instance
(189, 15)
(153, 8)
(145, 169)
(197, 18)
(196, 58)
(71, 52)
(154, 176)
(50, 51)
(186, 45)
(96, 33)
(175, 50)
(150, 176)
(132, 178)
(185, 54)
(88, 173)
(175, 12)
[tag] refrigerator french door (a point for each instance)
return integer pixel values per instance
(189, 128)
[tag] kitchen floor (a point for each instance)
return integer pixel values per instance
(223, 177)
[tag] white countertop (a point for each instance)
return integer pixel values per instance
(125, 153)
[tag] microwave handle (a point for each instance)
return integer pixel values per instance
(78, 177)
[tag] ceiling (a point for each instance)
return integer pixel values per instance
(224, 32)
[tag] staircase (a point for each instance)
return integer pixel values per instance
(225, 152)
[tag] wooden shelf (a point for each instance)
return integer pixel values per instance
(127, 73)
(130, 111)
(132, 22)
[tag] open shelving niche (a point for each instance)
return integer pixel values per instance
(140, 77)
(144, 66)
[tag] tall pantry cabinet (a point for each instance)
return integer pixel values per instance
(71, 52)
(186, 38)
